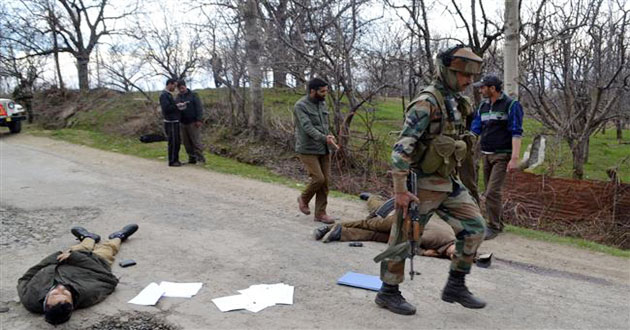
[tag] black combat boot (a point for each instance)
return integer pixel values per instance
(123, 234)
(319, 232)
(456, 291)
(81, 233)
(390, 297)
(333, 235)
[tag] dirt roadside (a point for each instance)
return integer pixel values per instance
(230, 232)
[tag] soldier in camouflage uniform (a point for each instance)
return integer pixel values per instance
(431, 144)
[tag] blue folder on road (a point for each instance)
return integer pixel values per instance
(362, 281)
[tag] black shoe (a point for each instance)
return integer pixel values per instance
(334, 234)
(491, 233)
(390, 297)
(364, 196)
(81, 233)
(319, 232)
(175, 164)
(456, 291)
(123, 234)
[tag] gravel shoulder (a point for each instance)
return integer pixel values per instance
(230, 232)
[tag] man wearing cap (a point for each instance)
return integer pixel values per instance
(499, 122)
(430, 144)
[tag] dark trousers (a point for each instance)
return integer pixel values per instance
(191, 136)
(174, 141)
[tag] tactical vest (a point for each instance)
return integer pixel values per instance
(441, 149)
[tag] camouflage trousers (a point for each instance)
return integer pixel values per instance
(460, 211)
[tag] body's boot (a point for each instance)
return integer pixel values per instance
(123, 234)
(319, 232)
(333, 235)
(390, 297)
(456, 291)
(81, 233)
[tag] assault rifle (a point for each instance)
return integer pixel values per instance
(412, 222)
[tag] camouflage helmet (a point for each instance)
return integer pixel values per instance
(456, 59)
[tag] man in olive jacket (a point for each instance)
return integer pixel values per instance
(312, 138)
(77, 278)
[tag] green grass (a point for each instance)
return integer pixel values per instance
(576, 242)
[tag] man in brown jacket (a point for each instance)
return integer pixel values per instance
(312, 140)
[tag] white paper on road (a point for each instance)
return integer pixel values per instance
(149, 295)
(231, 303)
(277, 293)
(180, 290)
(257, 297)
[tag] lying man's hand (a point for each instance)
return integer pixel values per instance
(63, 256)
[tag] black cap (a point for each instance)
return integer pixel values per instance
(489, 80)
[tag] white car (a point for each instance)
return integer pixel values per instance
(11, 115)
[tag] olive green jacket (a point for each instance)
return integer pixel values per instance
(89, 277)
(311, 127)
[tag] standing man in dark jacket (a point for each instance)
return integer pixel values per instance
(192, 114)
(312, 138)
(499, 121)
(171, 115)
(77, 278)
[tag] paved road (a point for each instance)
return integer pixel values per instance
(229, 233)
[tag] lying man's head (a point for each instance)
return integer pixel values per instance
(58, 305)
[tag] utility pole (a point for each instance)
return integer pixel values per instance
(510, 62)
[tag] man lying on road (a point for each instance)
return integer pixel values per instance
(438, 239)
(77, 278)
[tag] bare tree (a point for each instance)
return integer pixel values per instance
(576, 77)
(276, 22)
(77, 26)
(125, 70)
(172, 50)
(414, 15)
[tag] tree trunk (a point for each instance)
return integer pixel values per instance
(253, 51)
(510, 63)
(82, 67)
(279, 76)
(619, 125)
(579, 149)
(57, 66)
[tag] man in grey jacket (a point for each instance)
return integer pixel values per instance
(312, 140)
